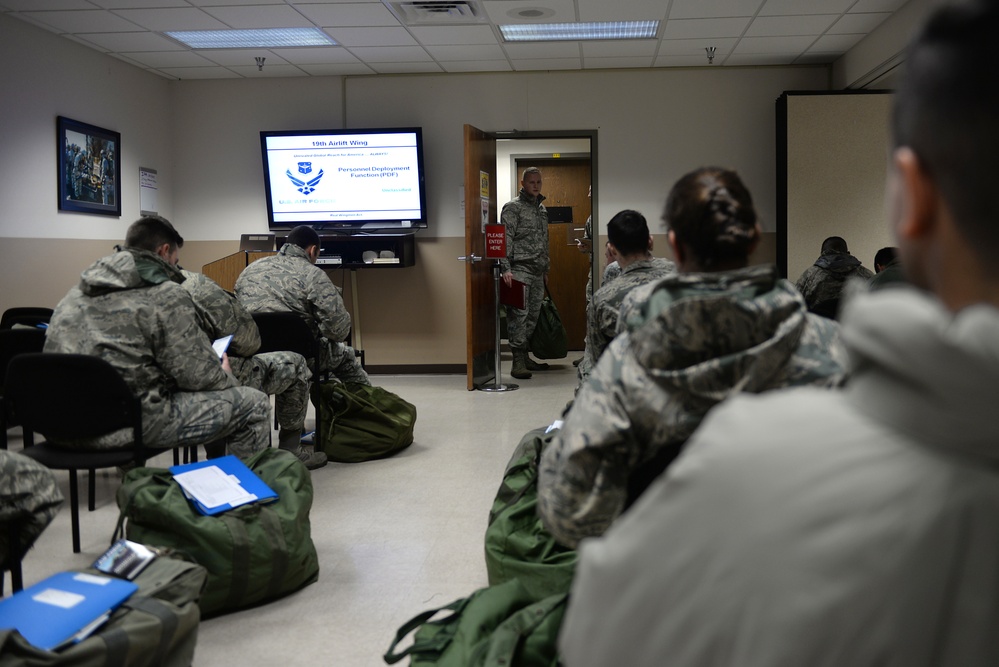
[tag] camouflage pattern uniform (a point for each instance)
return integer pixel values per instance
(699, 338)
(29, 499)
(585, 367)
(285, 375)
(601, 316)
(289, 281)
(526, 222)
(130, 310)
(824, 280)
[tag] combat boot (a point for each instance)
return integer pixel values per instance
(520, 365)
(533, 365)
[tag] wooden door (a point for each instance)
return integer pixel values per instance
(565, 183)
(480, 287)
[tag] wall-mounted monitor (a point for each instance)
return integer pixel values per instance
(355, 180)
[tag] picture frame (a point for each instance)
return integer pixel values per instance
(89, 168)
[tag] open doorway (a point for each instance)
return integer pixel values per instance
(567, 169)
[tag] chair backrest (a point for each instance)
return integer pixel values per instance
(71, 397)
(14, 342)
(286, 331)
(31, 315)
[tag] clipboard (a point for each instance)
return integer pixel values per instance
(515, 295)
(217, 485)
(63, 608)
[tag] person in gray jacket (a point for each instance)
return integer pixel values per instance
(859, 526)
(716, 329)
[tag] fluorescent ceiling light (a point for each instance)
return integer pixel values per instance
(244, 39)
(548, 32)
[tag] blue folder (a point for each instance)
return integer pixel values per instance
(55, 610)
(232, 466)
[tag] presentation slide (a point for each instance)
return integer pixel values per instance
(344, 177)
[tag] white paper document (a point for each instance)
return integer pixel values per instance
(212, 487)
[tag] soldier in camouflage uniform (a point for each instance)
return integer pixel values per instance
(290, 282)
(130, 310)
(630, 247)
(822, 283)
(29, 499)
(526, 223)
(285, 375)
(715, 329)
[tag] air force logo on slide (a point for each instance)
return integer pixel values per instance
(305, 187)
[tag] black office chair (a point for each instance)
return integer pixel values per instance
(12, 343)
(70, 397)
(290, 332)
(29, 315)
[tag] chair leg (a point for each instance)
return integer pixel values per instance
(92, 491)
(74, 510)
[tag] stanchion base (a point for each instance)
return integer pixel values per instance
(498, 387)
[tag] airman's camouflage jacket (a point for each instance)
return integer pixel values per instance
(697, 339)
(287, 282)
(526, 222)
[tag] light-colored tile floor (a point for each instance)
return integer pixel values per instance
(394, 537)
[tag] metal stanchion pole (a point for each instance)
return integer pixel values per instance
(497, 385)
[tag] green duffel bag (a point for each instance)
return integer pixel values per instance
(549, 340)
(361, 422)
(156, 627)
(517, 545)
(498, 626)
(253, 553)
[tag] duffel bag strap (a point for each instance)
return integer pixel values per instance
(438, 642)
(117, 642)
(510, 634)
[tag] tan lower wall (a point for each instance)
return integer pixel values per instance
(413, 316)
(410, 316)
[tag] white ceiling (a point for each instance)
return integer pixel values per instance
(382, 36)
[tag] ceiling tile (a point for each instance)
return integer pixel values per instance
(45, 5)
(761, 59)
(221, 3)
(684, 61)
(600, 62)
(803, 7)
(136, 4)
(371, 36)
(857, 23)
(269, 71)
(133, 41)
(877, 5)
(440, 35)
(342, 69)
(248, 18)
(546, 63)
(553, 11)
(199, 72)
(689, 9)
(477, 66)
(773, 45)
(633, 10)
(835, 43)
(532, 50)
(619, 48)
(695, 47)
(95, 20)
(391, 54)
(406, 67)
(349, 14)
(163, 20)
(695, 28)
(769, 26)
(466, 52)
(234, 58)
(167, 59)
(317, 56)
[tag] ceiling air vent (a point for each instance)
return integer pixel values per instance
(439, 12)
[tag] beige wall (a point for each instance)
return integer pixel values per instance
(203, 139)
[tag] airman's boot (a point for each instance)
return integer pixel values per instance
(533, 365)
(520, 365)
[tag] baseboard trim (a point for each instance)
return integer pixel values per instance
(416, 369)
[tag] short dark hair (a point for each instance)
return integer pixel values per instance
(834, 244)
(884, 256)
(303, 236)
(945, 110)
(711, 213)
(629, 232)
(150, 232)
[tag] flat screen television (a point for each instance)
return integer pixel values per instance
(357, 180)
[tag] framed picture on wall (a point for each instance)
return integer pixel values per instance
(89, 168)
